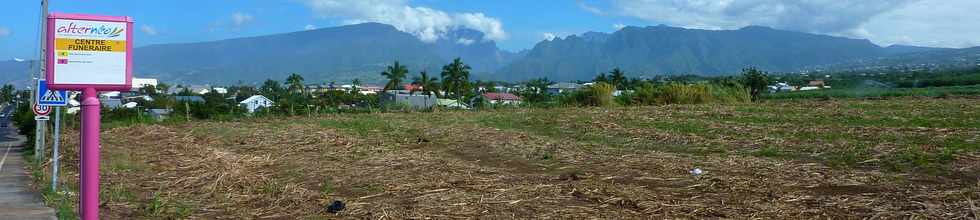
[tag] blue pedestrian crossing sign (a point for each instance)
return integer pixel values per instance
(48, 97)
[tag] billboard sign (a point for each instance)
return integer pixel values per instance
(89, 51)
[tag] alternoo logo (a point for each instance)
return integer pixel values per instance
(96, 31)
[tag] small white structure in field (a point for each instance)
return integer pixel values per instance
(139, 83)
(220, 90)
(255, 102)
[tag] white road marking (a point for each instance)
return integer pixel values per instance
(5, 156)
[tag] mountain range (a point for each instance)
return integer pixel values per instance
(362, 51)
(343, 53)
(659, 50)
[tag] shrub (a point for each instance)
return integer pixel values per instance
(600, 94)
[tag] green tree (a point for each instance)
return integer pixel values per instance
(7, 93)
(601, 78)
(295, 83)
(148, 90)
(536, 90)
(272, 89)
(490, 86)
(395, 74)
(355, 87)
(428, 83)
(756, 81)
(163, 88)
(456, 78)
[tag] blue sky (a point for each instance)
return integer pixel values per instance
(192, 21)
(513, 24)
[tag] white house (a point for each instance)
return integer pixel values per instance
(139, 83)
(255, 102)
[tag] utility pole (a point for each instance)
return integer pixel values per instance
(40, 130)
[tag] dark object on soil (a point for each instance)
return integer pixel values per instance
(335, 207)
(571, 176)
(420, 140)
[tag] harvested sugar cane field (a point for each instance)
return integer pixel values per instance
(812, 159)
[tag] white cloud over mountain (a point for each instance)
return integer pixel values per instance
(240, 18)
(148, 30)
(426, 23)
(823, 16)
(944, 23)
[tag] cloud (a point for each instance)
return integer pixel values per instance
(239, 19)
(309, 27)
(148, 30)
(589, 8)
(427, 24)
(18, 59)
(818, 16)
(946, 23)
(618, 26)
(937, 23)
(465, 41)
(549, 36)
(4, 32)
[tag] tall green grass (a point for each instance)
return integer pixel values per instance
(690, 94)
(879, 92)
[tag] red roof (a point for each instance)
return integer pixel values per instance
(501, 96)
(411, 87)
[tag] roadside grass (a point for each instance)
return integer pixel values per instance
(878, 93)
(158, 206)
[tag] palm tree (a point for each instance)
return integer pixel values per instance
(617, 78)
(395, 73)
(271, 88)
(295, 82)
(456, 78)
(427, 83)
(355, 85)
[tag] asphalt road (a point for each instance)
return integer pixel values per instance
(17, 201)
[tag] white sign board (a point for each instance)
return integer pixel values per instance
(89, 51)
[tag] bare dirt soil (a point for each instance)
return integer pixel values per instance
(855, 159)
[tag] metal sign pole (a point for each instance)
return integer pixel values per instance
(42, 135)
(37, 140)
(54, 149)
(89, 207)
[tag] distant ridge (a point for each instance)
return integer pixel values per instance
(362, 51)
(671, 50)
(339, 53)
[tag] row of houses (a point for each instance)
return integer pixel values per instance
(419, 100)
(786, 87)
(410, 96)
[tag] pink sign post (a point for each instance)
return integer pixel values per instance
(89, 53)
